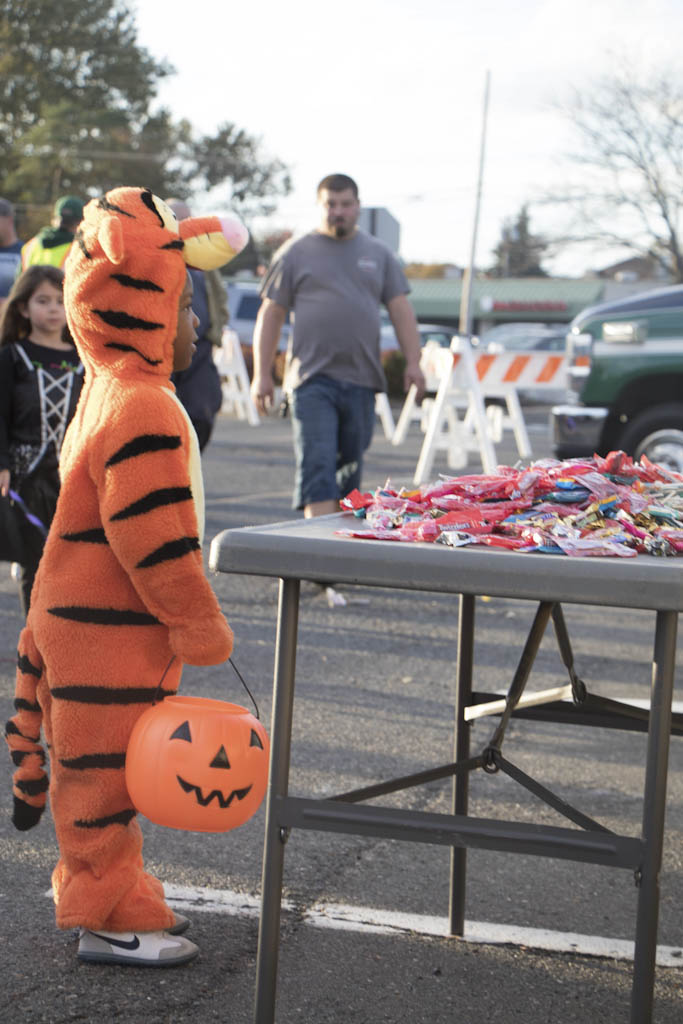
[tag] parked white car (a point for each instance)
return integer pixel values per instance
(441, 333)
(243, 303)
(524, 337)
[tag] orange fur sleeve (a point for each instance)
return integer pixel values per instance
(148, 514)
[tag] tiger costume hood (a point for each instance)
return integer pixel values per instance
(120, 599)
(125, 275)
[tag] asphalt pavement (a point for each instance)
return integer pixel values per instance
(363, 927)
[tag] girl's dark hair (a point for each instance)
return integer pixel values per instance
(13, 324)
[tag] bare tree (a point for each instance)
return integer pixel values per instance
(630, 153)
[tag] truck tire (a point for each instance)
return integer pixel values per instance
(658, 434)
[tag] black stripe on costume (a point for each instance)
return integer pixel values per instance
(148, 200)
(131, 348)
(122, 818)
(87, 761)
(105, 204)
(172, 549)
(177, 243)
(143, 444)
(95, 536)
(32, 787)
(18, 756)
(25, 665)
(155, 499)
(104, 616)
(141, 283)
(81, 243)
(119, 318)
(12, 730)
(109, 694)
(25, 816)
(26, 705)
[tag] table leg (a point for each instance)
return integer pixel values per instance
(274, 848)
(661, 694)
(461, 751)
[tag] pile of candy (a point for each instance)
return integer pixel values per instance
(596, 506)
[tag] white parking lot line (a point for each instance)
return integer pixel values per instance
(371, 920)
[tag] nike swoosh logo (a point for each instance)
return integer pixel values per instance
(121, 943)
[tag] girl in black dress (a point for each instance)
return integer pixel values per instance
(40, 381)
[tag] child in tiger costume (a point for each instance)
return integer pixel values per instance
(121, 591)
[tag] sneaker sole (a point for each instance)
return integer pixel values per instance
(131, 961)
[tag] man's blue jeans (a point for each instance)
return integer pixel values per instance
(333, 423)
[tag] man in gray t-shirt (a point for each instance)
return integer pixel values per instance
(334, 279)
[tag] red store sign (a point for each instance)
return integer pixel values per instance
(529, 307)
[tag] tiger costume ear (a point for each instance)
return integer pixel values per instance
(210, 242)
(110, 236)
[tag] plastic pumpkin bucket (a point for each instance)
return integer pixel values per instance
(197, 764)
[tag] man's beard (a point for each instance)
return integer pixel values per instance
(339, 230)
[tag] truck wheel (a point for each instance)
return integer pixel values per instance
(658, 434)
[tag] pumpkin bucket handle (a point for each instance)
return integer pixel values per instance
(237, 671)
(161, 681)
(251, 695)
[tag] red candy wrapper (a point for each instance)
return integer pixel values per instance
(356, 500)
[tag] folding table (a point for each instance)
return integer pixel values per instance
(313, 550)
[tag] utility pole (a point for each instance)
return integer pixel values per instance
(465, 326)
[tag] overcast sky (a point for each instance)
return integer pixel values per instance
(391, 92)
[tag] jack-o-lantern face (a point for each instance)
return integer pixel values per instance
(197, 764)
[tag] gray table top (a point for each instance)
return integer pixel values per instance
(311, 549)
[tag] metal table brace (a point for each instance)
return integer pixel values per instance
(593, 843)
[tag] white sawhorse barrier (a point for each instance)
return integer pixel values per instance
(453, 373)
(235, 379)
(462, 380)
(386, 417)
(433, 366)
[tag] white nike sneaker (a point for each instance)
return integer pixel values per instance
(141, 949)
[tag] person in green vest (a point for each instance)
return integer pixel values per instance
(51, 245)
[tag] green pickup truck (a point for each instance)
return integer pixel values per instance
(625, 362)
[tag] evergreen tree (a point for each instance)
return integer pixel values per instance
(519, 253)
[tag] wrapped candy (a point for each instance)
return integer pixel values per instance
(603, 506)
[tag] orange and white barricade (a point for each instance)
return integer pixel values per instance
(497, 375)
(232, 369)
(457, 388)
(503, 374)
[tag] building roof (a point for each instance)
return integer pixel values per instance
(549, 299)
(636, 268)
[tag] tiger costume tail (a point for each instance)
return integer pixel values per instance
(22, 732)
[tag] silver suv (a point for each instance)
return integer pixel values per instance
(244, 302)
